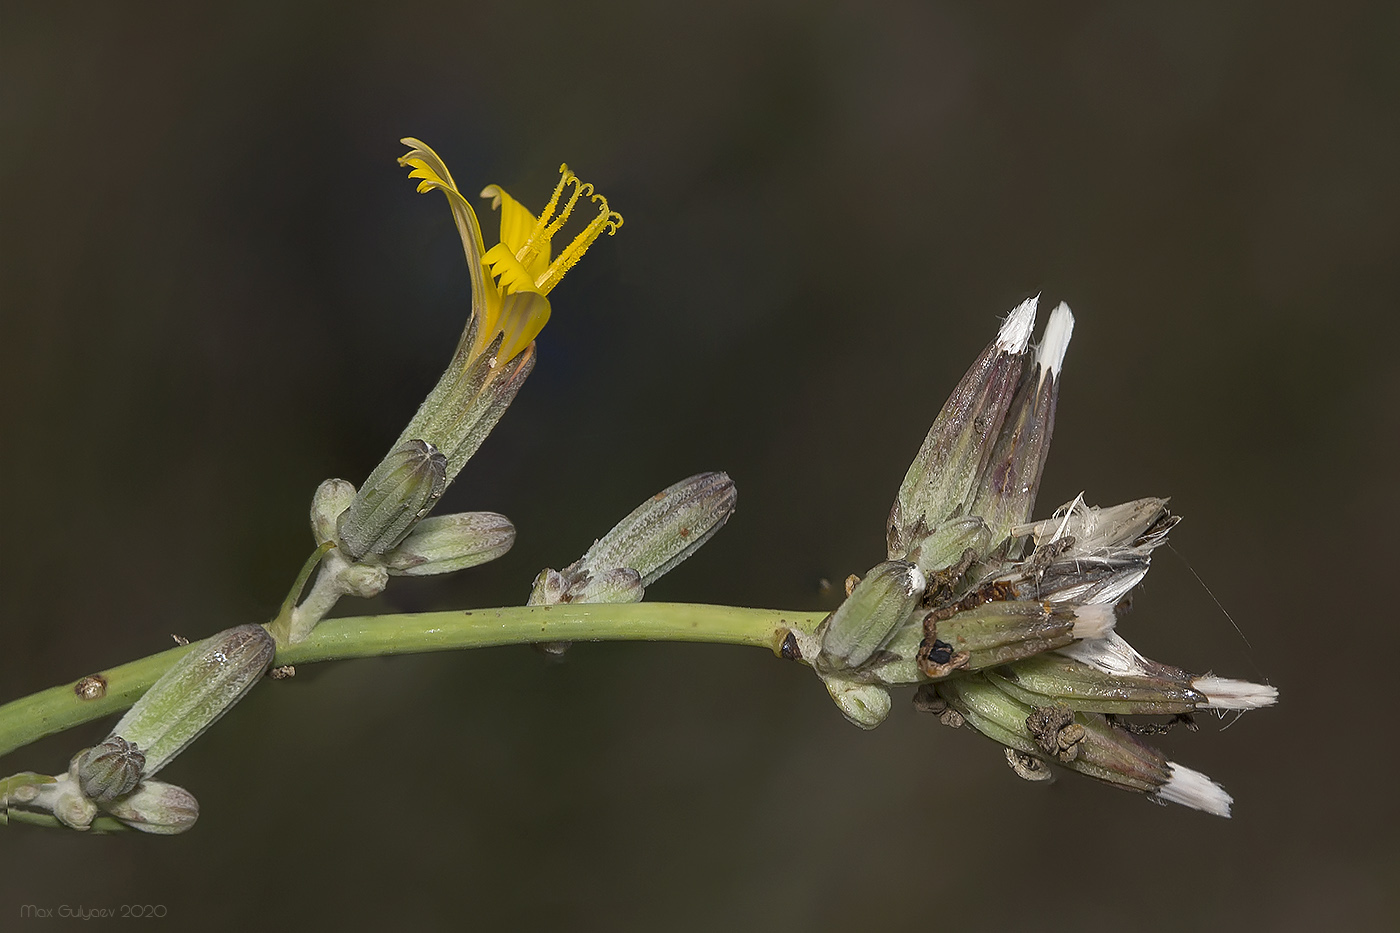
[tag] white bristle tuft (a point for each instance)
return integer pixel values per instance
(1015, 331)
(1224, 693)
(1093, 621)
(1193, 789)
(1050, 354)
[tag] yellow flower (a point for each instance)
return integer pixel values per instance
(512, 278)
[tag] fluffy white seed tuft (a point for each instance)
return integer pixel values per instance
(1015, 331)
(1193, 789)
(1050, 355)
(1224, 693)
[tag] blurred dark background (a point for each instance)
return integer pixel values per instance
(219, 289)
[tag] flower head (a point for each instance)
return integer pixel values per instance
(512, 278)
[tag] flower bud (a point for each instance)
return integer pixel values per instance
(864, 705)
(876, 608)
(403, 487)
(655, 537)
(331, 499)
(665, 529)
(111, 769)
(1055, 679)
(1007, 488)
(445, 543)
(943, 478)
(191, 696)
(156, 807)
(1002, 631)
(72, 808)
(363, 580)
(949, 544)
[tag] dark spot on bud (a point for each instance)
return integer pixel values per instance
(684, 532)
(940, 652)
(790, 651)
(91, 687)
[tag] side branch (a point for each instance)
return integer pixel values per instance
(50, 711)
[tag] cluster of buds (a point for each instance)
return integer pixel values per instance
(655, 537)
(1006, 624)
(382, 529)
(115, 777)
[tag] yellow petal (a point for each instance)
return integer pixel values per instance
(432, 173)
(523, 316)
(516, 219)
(513, 276)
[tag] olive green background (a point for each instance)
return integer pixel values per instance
(219, 289)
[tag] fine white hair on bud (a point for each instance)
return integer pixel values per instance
(1015, 331)
(1050, 354)
(1193, 789)
(1225, 693)
(1094, 621)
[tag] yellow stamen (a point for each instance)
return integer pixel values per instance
(607, 219)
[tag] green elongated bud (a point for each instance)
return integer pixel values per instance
(197, 689)
(878, 605)
(110, 770)
(655, 537)
(471, 396)
(942, 480)
(666, 529)
(445, 543)
(1055, 679)
(402, 489)
(331, 499)
(156, 807)
(1002, 631)
(1007, 488)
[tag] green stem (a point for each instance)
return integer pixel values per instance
(49, 711)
